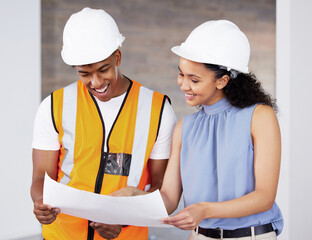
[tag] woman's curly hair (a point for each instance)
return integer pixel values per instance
(244, 90)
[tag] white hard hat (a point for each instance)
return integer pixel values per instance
(90, 36)
(218, 42)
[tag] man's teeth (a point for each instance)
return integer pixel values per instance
(102, 89)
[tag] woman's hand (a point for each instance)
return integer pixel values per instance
(187, 219)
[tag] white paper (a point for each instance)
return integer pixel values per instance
(144, 210)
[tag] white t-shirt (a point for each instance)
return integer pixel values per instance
(46, 138)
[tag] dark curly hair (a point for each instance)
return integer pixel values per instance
(244, 90)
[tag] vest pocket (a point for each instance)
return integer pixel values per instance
(118, 164)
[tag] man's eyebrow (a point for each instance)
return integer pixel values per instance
(80, 71)
(190, 75)
(103, 66)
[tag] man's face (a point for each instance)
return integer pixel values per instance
(101, 78)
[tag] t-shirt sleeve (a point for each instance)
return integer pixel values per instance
(161, 149)
(45, 136)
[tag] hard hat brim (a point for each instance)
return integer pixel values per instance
(187, 54)
(77, 58)
(190, 55)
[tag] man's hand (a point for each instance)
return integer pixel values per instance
(106, 231)
(127, 192)
(45, 213)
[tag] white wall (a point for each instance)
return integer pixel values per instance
(283, 101)
(19, 99)
(294, 85)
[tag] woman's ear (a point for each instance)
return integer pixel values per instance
(222, 82)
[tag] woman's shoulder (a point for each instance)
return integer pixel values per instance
(264, 122)
(263, 108)
(244, 116)
(179, 124)
(263, 113)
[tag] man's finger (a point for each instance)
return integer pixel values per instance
(42, 206)
(56, 210)
(46, 219)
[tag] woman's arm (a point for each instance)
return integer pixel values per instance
(171, 187)
(267, 154)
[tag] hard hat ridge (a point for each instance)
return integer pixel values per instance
(90, 36)
(218, 42)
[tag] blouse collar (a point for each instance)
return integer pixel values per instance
(217, 107)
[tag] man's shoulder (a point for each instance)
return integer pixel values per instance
(138, 84)
(147, 90)
(66, 86)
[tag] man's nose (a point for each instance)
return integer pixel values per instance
(96, 81)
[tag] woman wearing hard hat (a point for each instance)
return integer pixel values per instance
(225, 157)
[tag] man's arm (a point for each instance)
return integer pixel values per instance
(157, 163)
(46, 161)
(43, 161)
(157, 170)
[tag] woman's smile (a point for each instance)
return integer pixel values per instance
(189, 96)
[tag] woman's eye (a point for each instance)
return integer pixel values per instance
(194, 81)
(181, 74)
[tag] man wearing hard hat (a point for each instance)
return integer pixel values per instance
(99, 134)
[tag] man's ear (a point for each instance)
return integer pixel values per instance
(222, 82)
(118, 57)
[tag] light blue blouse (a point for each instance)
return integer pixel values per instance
(217, 162)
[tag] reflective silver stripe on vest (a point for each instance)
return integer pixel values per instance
(142, 127)
(69, 127)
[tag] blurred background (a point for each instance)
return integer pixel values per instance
(151, 29)
(31, 40)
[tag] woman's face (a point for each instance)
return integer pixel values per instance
(198, 83)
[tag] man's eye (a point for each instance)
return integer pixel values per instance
(194, 81)
(103, 70)
(84, 75)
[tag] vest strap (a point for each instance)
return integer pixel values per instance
(69, 126)
(142, 126)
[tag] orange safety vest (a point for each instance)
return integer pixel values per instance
(84, 165)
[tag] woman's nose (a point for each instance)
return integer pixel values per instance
(184, 84)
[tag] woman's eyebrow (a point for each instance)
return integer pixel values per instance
(190, 75)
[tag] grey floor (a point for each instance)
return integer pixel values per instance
(155, 234)
(31, 238)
